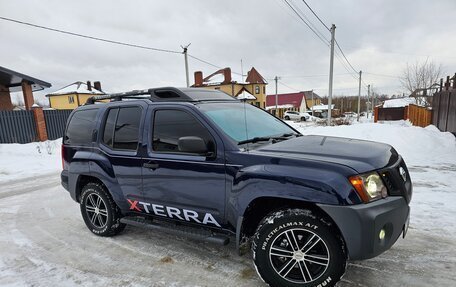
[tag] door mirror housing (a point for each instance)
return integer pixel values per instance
(191, 144)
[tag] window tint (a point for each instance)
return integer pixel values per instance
(108, 133)
(80, 128)
(126, 131)
(170, 125)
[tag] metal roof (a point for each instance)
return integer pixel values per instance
(13, 81)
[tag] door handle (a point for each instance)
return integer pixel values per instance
(151, 165)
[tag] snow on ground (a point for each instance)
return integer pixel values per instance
(431, 158)
(48, 244)
(25, 160)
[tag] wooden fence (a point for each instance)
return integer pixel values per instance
(444, 106)
(390, 114)
(419, 116)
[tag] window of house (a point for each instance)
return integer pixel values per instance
(71, 99)
(170, 125)
(264, 90)
(257, 89)
(122, 128)
(80, 127)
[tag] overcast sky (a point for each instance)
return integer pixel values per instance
(378, 37)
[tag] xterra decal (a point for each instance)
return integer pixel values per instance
(172, 212)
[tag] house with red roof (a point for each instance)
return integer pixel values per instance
(300, 101)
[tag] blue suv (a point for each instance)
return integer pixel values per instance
(200, 163)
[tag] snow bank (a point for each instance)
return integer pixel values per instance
(25, 160)
(418, 146)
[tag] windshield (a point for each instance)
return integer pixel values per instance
(232, 118)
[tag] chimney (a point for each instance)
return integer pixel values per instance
(198, 79)
(97, 85)
(227, 75)
(89, 85)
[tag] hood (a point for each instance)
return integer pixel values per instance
(362, 156)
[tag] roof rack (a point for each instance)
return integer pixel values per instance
(156, 95)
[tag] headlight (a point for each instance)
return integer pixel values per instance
(369, 186)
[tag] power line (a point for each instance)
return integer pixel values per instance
(108, 40)
(315, 14)
(210, 64)
(308, 20)
(383, 75)
(285, 85)
(91, 37)
(307, 24)
(343, 54)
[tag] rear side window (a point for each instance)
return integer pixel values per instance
(80, 127)
(122, 128)
(170, 125)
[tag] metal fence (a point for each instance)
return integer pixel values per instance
(17, 127)
(55, 122)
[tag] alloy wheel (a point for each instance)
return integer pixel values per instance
(299, 255)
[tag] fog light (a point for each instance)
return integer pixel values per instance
(381, 235)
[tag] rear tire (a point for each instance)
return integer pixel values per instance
(296, 248)
(100, 213)
(287, 118)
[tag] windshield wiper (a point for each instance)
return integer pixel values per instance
(254, 140)
(286, 136)
(276, 138)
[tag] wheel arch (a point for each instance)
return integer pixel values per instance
(261, 207)
(84, 180)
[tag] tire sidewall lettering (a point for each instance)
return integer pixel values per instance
(302, 224)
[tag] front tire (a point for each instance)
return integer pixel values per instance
(100, 213)
(287, 118)
(296, 248)
(303, 119)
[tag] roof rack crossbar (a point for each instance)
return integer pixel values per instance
(155, 95)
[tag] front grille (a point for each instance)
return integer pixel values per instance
(394, 182)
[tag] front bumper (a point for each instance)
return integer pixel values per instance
(361, 224)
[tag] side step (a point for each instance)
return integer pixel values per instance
(177, 229)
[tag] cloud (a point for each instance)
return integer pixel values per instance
(377, 37)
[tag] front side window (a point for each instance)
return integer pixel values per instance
(80, 127)
(170, 125)
(122, 128)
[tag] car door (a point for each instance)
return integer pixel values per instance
(183, 186)
(119, 153)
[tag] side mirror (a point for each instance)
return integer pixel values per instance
(192, 144)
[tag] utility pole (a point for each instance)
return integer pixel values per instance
(359, 94)
(186, 63)
(331, 68)
(276, 79)
(368, 97)
(312, 102)
(372, 100)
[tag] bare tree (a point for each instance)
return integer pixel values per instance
(419, 77)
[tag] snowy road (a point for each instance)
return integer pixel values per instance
(44, 242)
